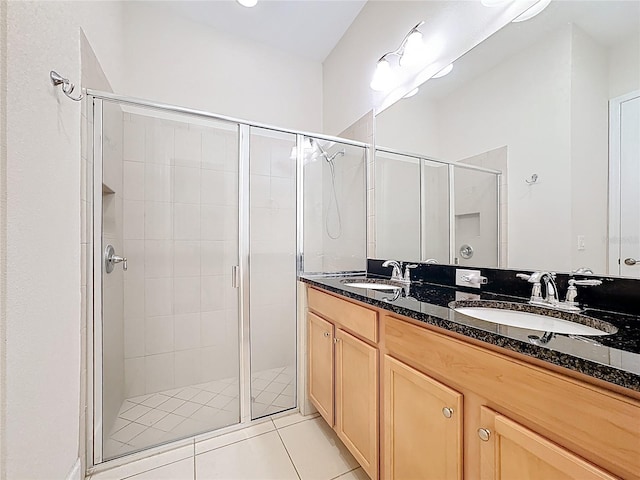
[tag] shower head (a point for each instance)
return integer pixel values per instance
(330, 159)
(324, 153)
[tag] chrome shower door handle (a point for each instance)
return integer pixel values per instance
(111, 259)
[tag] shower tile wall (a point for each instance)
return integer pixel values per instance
(272, 271)
(112, 233)
(180, 238)
(335, 229)
(496, 159)
(362, 130)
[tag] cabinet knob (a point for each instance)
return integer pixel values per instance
(336, 340)
(326, 334)
(447, 412)
(484, 434)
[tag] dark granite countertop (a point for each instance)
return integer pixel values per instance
(613, 358)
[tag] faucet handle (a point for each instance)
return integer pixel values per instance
(586, 282)
(523, 276)
(407, 276)
(572, 291)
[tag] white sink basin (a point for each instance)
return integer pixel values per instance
(531, 321)
(371, 284)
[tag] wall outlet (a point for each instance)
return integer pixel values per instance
(469, 278)
(581, 245)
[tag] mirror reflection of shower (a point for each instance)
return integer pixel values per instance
(333, 234)
(334, 191)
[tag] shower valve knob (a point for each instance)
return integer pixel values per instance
(111, 259)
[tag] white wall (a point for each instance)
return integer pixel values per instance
(178, 61)
(589, 152)
(3, 226)
(410, 126)
(624, 67)
(452, 27)
(523, 103)
(43, 234)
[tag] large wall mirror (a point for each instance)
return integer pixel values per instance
(541, 123)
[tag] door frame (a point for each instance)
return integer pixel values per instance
(613, 250)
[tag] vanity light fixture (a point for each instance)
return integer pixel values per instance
(534, 10)
(248, 3)
(410, 53)
(445, 71)
(413, 49)
(383, 78)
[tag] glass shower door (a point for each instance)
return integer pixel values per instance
(272, 243)
(168, 195)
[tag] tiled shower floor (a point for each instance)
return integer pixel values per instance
(164, 416)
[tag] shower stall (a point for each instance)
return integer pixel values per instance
(437, 211)
(197, 238)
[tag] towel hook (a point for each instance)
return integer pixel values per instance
(533, 179)
(67, 86)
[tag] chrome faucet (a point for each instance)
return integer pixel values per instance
(396, 274)
(551, 295)
(551, 298)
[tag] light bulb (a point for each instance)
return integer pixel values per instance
(445, 71)
(383, 77)
(413, 50)
(534, 10)
(247, 3)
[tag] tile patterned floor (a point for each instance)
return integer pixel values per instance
(164, 416)
(273, 391)
(289, 447)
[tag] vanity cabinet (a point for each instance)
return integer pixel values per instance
(423, 426)
(321, 338)
(447, 407)
(510, 450)
(520, 420)
(357, 399)
(343, 372)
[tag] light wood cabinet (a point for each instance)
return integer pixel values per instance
(423, 426)
(320, 346)
(544, 420)
(343, 373)
(539, 422)
(357, 399)
(509, 450)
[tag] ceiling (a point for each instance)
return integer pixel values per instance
(306, 28)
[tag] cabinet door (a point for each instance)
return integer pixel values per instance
(321, 366)
(423, 426)
(509, 450)
(357, 399)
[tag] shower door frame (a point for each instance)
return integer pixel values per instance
(450, 200)
(94, 352)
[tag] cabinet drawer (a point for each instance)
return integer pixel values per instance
(357, 319)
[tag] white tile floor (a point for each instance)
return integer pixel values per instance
(291, 447)
(172, 414)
